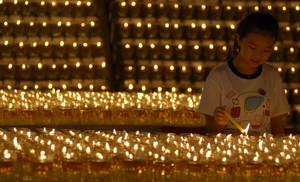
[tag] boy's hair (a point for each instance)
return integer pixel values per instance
(257, 22)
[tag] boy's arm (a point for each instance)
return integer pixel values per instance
(278, 124)
(211, 126)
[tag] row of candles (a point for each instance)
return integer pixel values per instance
(68, 154)
(16, 7)
(50, 29)
(193, 10)
(61, 106)
(88, 107)
(205, 51)
(190, 30)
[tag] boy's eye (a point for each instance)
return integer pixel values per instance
(267, 51)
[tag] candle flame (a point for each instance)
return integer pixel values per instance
(247, 129)
(208, 154)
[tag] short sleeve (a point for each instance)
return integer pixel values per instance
(280, 104)
(210, 97)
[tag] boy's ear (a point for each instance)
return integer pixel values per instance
(237, 37)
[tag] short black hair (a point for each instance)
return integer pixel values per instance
(257, 22)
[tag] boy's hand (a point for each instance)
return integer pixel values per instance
(219, 115)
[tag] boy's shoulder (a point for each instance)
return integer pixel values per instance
(221, 66)
(269, 67)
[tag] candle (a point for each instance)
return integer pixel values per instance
(235, 122)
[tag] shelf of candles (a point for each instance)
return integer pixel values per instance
(119, 155)
(55, 107)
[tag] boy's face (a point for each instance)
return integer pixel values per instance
(256, 48)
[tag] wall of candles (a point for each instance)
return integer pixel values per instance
(52, 44)
(132, 62)
(134, 45)
(47, 154)
(85, 108)
(172, 45)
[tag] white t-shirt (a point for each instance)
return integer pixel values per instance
(253, 99)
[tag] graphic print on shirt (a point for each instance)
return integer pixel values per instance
(251, 107)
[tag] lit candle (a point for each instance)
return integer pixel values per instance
(235, 122)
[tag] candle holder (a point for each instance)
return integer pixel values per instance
(129, 71)
(162, 10)
(8, 50)
(46, 51)
(202, 12)
(51, 71)
(163, 170)
(141, 51)
(222, 53)
(127, 51)
(276, 169)
(294, 169)
(82, 31)
(209, 52)
(154, 51)
(151, 31)
(180, 52)
(292, 54)
(33, 51)
(205, 32)
(65, 71)
(148, 10)
(8, 167)
(198, 72)
(89, 70)
(72, 166)
(295, 12)
(242, 11)
(229, 12)
(251, 168)
(294, 96)
(277, 54)
(174, 11)
(143, 71)
(216, 12)
(42, 165)
(167, 52)
(169, 71)
(70, 29)
(218, 32)
(296, 31)
(21, 51)
(203, 169)
(285, 33)
(121, 8)
(293, 75)
(23, 72)
(185, 72)
(191, 31)
(225, 170)
(283, 13)
(139, 30)
(134, 169)
(164, 31)
(123, 30)
(176, 31)
(85, 51)
(230, 32)
(135, 9)
(99, 165)
(188, 11)
(194, 52)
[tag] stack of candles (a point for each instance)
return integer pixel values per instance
(84, 155)
(57, 107)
